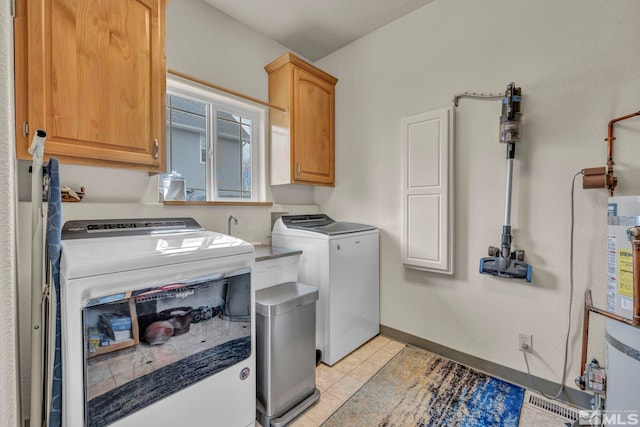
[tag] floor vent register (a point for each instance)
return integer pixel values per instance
(551, 407)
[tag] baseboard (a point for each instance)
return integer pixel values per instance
(571, 396)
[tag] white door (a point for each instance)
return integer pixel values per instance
(427, 191)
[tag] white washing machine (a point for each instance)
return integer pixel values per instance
(149, 333)
(342, 260)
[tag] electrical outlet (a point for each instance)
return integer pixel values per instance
(525, 342)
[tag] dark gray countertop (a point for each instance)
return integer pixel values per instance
(266, 252)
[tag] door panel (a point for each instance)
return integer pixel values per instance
(96, 79)
(313, 134)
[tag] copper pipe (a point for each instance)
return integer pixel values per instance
(588, 308)
(588, 302)
(612, 316)
(611, 179)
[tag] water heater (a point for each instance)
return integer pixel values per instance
(622, 340)
(623, 212)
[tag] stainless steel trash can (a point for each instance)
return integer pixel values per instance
(237, 307)
(285, 352)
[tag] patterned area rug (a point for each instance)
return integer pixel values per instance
(418, 388)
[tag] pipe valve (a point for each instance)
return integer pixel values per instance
(604, 177)
(593, 378)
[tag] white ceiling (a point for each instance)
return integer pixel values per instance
(315, 28)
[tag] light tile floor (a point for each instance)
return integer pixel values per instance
(339, 382)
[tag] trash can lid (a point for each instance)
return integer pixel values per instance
(283, 298)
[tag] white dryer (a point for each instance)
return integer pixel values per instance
(342, 260)
(144, 341)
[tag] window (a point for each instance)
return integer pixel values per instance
(216, 142)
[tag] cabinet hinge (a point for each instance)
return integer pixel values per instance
(25, 129)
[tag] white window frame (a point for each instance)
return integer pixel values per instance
(234, 105)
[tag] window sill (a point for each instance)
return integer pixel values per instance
(188, 203)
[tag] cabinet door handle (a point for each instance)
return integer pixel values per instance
(155, 153)
(298, 168)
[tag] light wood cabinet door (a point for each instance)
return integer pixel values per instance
(91, 73)
(302, 139)
(313, 141)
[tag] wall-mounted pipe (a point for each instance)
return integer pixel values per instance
(480, 95)
(634, 235)
(612, 181)
(598, 178)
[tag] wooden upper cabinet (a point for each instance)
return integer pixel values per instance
(302, 139)
(92, 74)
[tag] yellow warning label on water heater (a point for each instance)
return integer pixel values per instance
(625, 272)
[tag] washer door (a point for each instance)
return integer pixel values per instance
(143, 345)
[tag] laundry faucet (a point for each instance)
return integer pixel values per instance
(235, 221)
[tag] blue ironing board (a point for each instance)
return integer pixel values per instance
(54, 232)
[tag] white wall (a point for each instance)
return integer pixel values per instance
(9, 402)
(578, 65)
